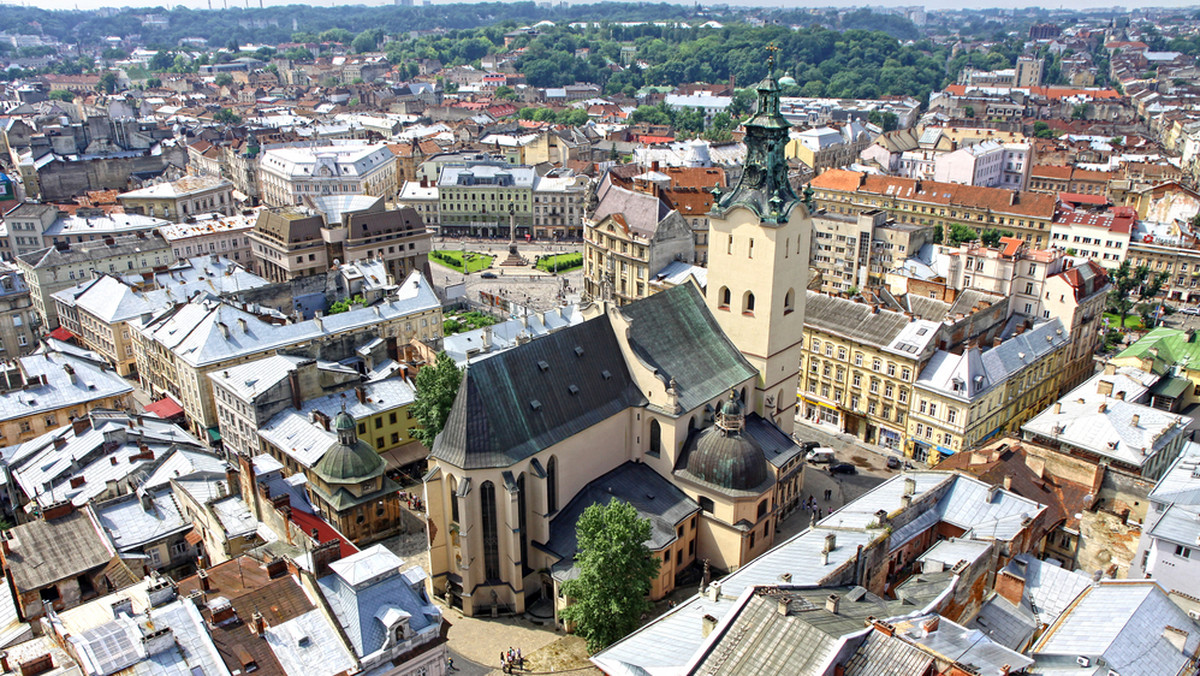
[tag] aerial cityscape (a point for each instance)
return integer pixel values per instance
(638, 339)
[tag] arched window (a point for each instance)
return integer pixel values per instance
(748, 303)
(453, 500)
(521, 524)
(706, 504)
(724, 298)
(552, 485)
(789, 301)
(655, 438)
(491, 542)
(762, 509)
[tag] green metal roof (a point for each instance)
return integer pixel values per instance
(1171, 388)
(1165, 347)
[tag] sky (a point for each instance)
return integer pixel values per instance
(932, 4)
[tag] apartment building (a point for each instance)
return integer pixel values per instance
(481, 199)
(299, 241)
(213, 233)
(1054, 179)
(182, 198)
(859, 365)
(1077, 297)
(287, 174)
(857, 251)
(177, 350)
(962, 399)
(988, 164)
(558, 205)
(33, 227)
(628, 239)
(1100, 236)
(1029, 215)
(18, 318)
(824, 148)
(44, 391)
(64, 265)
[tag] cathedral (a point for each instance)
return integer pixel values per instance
(680, 404)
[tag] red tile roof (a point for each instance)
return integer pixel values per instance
(325, 532)
(998, 200)
(165, 408)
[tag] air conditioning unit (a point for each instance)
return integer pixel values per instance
(1083, 661)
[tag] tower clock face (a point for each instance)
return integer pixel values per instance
(754, 175)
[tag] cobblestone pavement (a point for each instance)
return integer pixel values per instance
(481, 640)
(524, 285)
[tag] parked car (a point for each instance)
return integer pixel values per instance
(843, 468)
(488, 275)
(1191, 310)
(893, 462)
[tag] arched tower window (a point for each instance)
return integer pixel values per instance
(521, 524)
(453, 484)
(552, 484)
(762, 509)
(724, 298)
(491, 542)
(655, 438)
(748, 303)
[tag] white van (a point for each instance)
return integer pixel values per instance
(822, 455)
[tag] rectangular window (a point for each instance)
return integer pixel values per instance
(951, 415)
(1183, 552)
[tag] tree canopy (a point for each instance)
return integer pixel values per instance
(1131, 284)
(616, 570)
(437, 385)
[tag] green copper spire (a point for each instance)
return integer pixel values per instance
(763, 186)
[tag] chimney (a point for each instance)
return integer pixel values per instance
(147, 501)
(323, 555)
(1036, 464)
(294, 383)
(5, 665)
(993, 491)
(276, 568)
(224, 329)
(1007, 483)
(318, 321)
(57, 510)
(242, 324)
(361, 393)
(1010, 586)
(1133, 422)
(1176, 637)
(832, 602)
(81, 425)
(1121, 395)
(159, 641)
(205, 585)
(161, 593)
(221, 610)
(1104, 407)
(708, 623)
(830, 543)
(1110, 369)
(930, 625)
(905, 501)
(910, 486)
(1057, 408)
(122, 606)
(784, 603)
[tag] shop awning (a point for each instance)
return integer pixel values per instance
(214, 435)
(193, 538)
(818, 403)
(404, 455)
(165, 408)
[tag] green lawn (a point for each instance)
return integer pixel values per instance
(474, 262)
(466, 321)
(1131, 322)
(560, 262)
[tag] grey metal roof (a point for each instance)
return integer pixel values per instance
(131, 525)
(863, 324)
(303, 642)
(91, 382)
(963, 646)
(655, 499)
(642, 212)
(976, 372)
(763, 641)
(1109, 432)
(367, 588)
(44, 552)
(1122, 621)
(1009, 625)
(1180, 484)
(883, 655)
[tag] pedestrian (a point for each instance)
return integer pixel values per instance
(830, 511)
(828, 494)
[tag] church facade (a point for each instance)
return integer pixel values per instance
(680, 404)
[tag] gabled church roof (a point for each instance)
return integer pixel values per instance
(524, 400)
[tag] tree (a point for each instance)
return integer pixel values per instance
(1132, 284)
(616, 569)
(366, 41)
(960, 233)
(61, 95)
(969, 112)
(991, 236)
(108, 82)
(227, 116)
(437, 386)
(153, 83)
(224, 80)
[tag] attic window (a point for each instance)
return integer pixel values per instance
(573, 389)
(305, 641)
(578, 351)
(605, 375)
(543, 366)
(535, 405)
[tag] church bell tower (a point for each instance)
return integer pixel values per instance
(758, 239)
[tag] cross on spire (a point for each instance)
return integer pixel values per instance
(771, 49)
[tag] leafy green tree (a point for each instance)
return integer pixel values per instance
(1132, 284)
(960, 233)
(616, 570)
(437, 386)
(969, 112)
(366, 41)
(224, 80)
(227, 116)
(153, 83)
(991, 236)
(61, 95)
(506, 92)
(114, 54)
(108, 82)
(336, 35)
(161, 61)
(297, 54)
